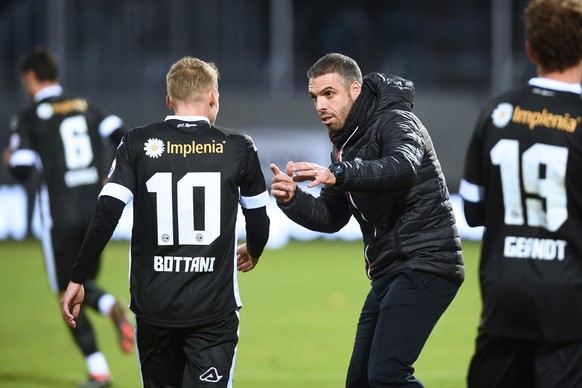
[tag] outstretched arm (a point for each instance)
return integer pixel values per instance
(327, 213)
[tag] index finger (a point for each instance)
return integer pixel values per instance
(304, 166)
(275, 169)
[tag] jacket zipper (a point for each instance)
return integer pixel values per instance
(339, 158)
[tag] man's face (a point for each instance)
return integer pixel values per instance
(333, 99)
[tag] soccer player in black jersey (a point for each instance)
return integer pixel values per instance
(62, 138)
(186, 178)
(522, 182)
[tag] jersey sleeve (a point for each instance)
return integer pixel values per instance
(122, 178)
(472, 185)
(254, 198)
(253, 189)
(23, 159)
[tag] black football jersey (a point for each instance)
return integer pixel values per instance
(64, 138)
(186, 179)
(523, 165)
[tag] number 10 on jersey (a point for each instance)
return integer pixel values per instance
(161, 184)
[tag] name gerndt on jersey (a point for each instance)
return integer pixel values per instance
(534, 248)
(183, 264)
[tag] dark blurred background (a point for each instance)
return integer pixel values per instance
(117, 52)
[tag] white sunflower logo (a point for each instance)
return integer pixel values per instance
(154, 148)
(502, 114)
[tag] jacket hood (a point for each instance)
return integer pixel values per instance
(380, 92)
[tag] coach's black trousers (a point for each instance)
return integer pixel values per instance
(396, 320)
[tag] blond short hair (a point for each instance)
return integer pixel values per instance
(190, 78)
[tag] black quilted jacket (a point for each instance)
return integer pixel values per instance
(393, 186)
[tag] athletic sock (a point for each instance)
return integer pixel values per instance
(106, 303)
(97, 365)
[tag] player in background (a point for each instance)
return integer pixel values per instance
(522, 182)
(62, 138)
(186, 178)
(386, 174)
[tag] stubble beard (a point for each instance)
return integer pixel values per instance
(339, 125)
(335, 128)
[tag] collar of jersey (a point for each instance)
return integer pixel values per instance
(553, 84)
(49, 91)
(187, 118)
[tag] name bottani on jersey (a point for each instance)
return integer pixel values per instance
(183, 264)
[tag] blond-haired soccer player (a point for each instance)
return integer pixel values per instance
(186, 178)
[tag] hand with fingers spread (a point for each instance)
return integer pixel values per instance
(306, 171)
(71, 303)
(283, 185)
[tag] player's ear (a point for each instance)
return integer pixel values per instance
(169, 103)
(531, 53)
(355, 89)
(213, 97)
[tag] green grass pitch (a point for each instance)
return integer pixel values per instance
(301, 306)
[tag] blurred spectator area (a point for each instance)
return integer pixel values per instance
(117, 52)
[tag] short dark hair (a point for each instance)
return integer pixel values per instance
(42, 63)
(345, 66)
(553, 29)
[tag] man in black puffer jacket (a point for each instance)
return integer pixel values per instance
(386, 174)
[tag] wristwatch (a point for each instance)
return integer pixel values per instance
(338, 170)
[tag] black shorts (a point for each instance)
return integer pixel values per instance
(516, 363)
(200, 356)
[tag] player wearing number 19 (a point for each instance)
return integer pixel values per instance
(62, 138)
(186, 178)
(522, 182)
